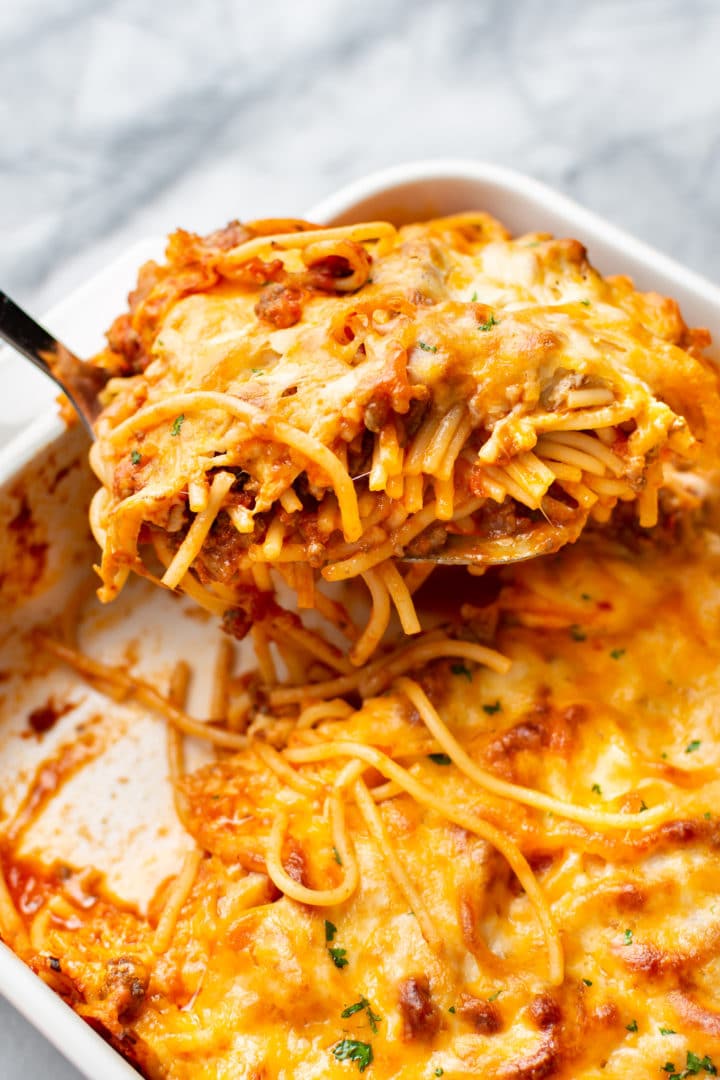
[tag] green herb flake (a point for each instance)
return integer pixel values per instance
(617, 654)
(596, 789)
(492, 321)
(359, 1006)
(495, 996)
(588, 982)
(135, 457)
(336, 856)
(693, 746)
(374, 1019)
(473, 298)
(338, 956)
(439, 1072)
(356, 1007)
(643, 807)
(667, 1031)
(707, 815)
(693, 1065)
(628, 936)
(632, 1026)
(461, 669)
(585, 596)
(440, 759)
(427, 348)
(585, 303)
(352, 1050)
(577, 633)
(177, 424)
(257, 370)
(330, 930)
(494, 708)
(451, 1009)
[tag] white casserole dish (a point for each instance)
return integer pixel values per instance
(115, 813)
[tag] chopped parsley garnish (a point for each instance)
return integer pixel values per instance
(427, 348)
(617, 653)
(135, 457)
(585, 596)
(330, 930)
(495, 996)
(632, 1026)
(585, 302)
(588, 982)
(440, 759)
(461, 669)
(177, 424)
(256, 370)
(692, 746)
(357, 1007)
(336, 856)
(643, 807)
(628, 935)
(439, 1072)
(596, 789)
(492, 321)
(693, 1065)
(451, 1009)
(490, 709)
(707, 815)
(473, 298)
(338, 956)
(577, 633)
(352, 1050)
(667, 1031)
(373, 1019)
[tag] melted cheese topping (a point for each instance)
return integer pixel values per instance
(611, 705)
(322, 401)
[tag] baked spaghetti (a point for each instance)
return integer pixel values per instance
(304, 404)
(491, 853)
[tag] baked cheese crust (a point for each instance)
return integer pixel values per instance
(611, 704)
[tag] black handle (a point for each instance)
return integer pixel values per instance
(26, 335)
(43, 350)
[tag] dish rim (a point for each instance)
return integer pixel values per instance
(48, 1014)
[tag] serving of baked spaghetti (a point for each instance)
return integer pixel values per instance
(451, 821)
(319, 403)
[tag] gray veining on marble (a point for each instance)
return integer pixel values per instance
(123, 118)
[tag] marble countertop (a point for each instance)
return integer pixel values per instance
(123, 119)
